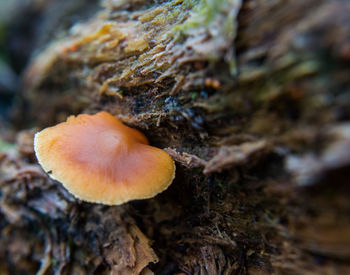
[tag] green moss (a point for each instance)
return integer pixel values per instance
(186, 4)
(194, 95)
(215, 16)
(54, 261)
(4, 146)
(204, 12)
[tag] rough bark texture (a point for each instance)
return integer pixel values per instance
(251, 99)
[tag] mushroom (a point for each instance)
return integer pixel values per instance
(99, 159)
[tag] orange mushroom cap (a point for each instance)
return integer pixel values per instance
(99, 159)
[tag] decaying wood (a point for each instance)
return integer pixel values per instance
(250, 98)
(30, 200)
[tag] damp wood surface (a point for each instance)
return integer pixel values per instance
(251, 98)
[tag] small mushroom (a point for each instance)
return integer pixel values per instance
(99, 159)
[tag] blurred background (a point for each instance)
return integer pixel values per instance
(25, 28)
